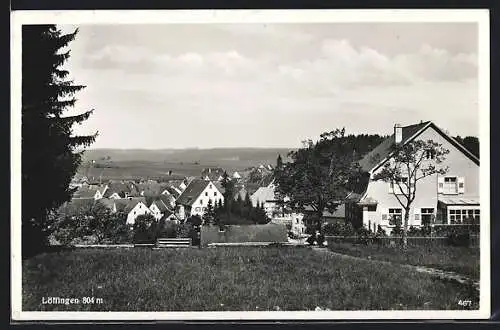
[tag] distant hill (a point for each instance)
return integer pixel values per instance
(216, 155)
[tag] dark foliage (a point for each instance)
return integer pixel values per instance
(50, 154)
(145, 229)
(321, 174)
(471, 143)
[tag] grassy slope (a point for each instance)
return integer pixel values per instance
(457, 259)
(229, 279)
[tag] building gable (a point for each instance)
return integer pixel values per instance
(378, 156)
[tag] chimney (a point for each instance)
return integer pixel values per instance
(398, 133)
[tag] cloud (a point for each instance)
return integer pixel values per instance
(342, 65)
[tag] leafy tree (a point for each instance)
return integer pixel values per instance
(50, 157)
(145, 229)
(409, 163)
(471, 143)
(319, 176)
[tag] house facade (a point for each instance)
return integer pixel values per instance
(266, 196)
(195, 198)
(440, 199)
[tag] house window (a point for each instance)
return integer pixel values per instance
(395, 216)
(197, 209)
(206, 193)
(403, 182)
(426, 214)
(372, 208)
(457, 216)
(430, 154)
(215, 193)
(201, 201)
(210, 186)
(450, 185)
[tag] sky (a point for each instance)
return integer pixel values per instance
(270, 85)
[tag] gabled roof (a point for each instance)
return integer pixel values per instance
(375, 158)
(192, 191)
(121, 188)
(160, 205)
(263, 194)
(170, 190)
(127, 204)
(80, 203)
(167, 199)
(87, 191)
(150, 189)
(167, 214)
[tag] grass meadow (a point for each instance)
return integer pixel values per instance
(462, 260)
(230, 279)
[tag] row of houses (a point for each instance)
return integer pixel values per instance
(440, 199)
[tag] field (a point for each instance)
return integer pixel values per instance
(461, 260)
(131, 164)
(235, 278)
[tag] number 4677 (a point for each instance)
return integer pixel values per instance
(465, 303)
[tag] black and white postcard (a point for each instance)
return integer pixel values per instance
(250, 165)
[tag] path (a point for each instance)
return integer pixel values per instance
(421, 269)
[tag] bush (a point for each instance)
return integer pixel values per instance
(320, 239)
(145, 229)
(459, 237)
(364, 236)
(169, 230)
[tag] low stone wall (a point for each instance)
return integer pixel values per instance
(269, 233)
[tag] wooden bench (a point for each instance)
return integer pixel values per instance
(173, 242)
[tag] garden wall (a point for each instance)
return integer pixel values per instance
(271, 232)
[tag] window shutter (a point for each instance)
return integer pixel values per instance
(385, 215)
(440, 182)
(461, 185)
(417, 214)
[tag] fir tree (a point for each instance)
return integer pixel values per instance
(248, 201)
(209, 215)
(228, 186)
(279, 162)
(50, 154)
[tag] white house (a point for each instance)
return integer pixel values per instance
(90, 191)
(194, 199)
(158, 208)
(446, 199)
(265, 195)
(236, 176)
(133, 206)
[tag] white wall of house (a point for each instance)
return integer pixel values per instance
(155, 211)
(138, 210)
(460, 166)
(209, 193)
